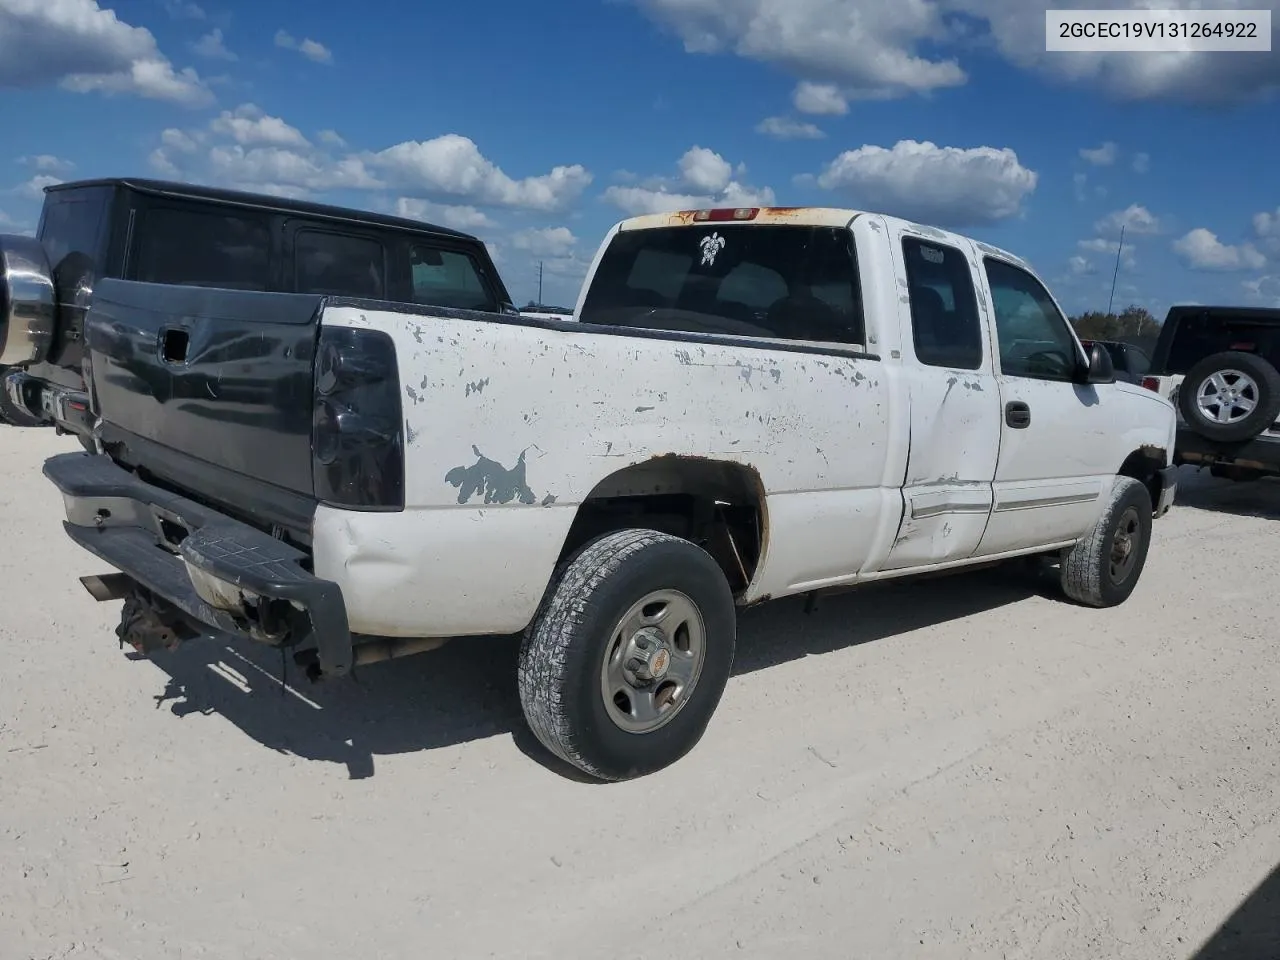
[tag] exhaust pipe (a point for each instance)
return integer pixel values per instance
(108, 586)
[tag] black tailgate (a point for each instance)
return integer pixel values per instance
(221, 377)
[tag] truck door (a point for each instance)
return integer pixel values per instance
(1052, 468)
(950, 384)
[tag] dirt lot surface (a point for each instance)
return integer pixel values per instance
(962, 768)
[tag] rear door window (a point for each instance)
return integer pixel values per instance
(774, 282)
(945, 325)
(447, 278)
(198, 248)
(339, 265)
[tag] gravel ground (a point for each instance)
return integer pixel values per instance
(962, 768)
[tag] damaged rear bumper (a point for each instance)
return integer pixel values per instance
(221, 574)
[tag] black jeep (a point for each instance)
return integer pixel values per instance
(175, 233)
(1221, 368)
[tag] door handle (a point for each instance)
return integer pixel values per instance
(1017, 414)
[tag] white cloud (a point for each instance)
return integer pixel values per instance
(946, 186)
(549, 242)
(281, 169)
(822, 99)
(1135, 219)
(212, 46)
(458, 217)
(1110, 248)
(153, 79)
(184, 10)
(706, 179)
(1199, 77)
(1267, 227)
(452, 165)
(1080, 181)
(1080, 265)
(162, 164)
(178, 140)
(314, 50)
(47, 163)
(1141, 162)
(873, 48)
(1103, 156)
(741, 195)
(1265, 288)
(642, 200)
(81, 47)
(784, 128)
(864, 49)
(249, 126)
(446, 180)
(705, 170)
(1201, 249)
(311, 49)
(33, 189)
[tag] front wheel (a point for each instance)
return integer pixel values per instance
(1102, 569)
(629, 655)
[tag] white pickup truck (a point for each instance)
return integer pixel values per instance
(748, 404)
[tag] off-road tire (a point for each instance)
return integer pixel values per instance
(1086, 567)
(563, 651)
(1263, 374)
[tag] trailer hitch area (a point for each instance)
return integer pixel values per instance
(149, 623)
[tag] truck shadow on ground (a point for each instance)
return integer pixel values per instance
(1247, 498)
(1252, 932)
(467, 690)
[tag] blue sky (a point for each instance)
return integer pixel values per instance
(537, 126)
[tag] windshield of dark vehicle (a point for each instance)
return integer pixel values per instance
(777, 282)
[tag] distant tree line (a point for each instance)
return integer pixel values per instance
(1133, 324)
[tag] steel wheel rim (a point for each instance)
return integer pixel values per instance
(653, 660)
(1227, 396)
(1124, 545)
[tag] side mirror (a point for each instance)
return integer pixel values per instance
(1101, 369)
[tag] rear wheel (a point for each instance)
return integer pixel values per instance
(1103, 568)
(1230, 396)
(628, 657)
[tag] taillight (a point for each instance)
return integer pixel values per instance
(357, 436)
(728, 213)
(1151, 383)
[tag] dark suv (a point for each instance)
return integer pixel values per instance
(175, 233)
(1221, 368)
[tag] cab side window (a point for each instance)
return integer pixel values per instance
(945, 323)
(338, 265)
(1033, 335)
(447, 278)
